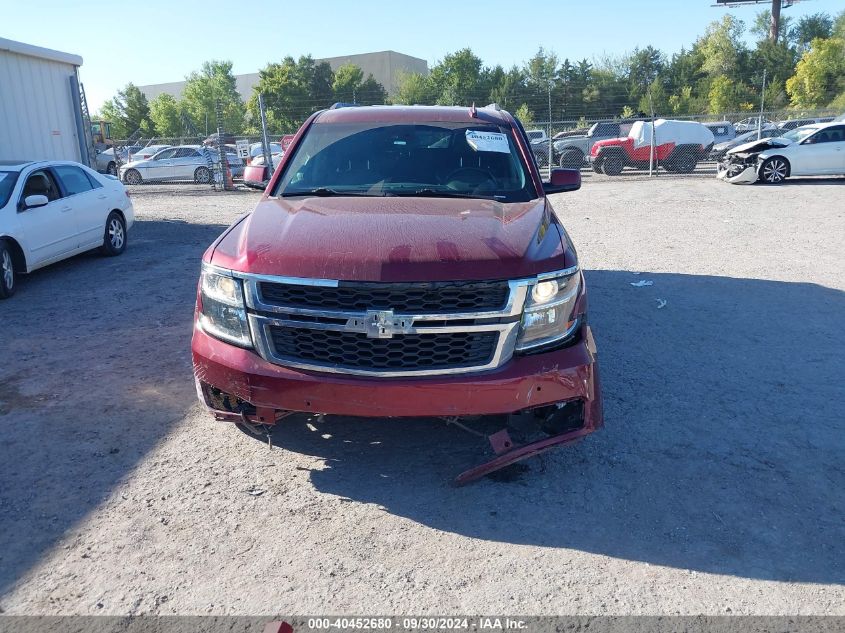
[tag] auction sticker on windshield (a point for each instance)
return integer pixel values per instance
(488, 141)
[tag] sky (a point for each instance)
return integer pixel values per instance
(156, 41)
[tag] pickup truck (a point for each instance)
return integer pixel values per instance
(570, 150)
(403, 262)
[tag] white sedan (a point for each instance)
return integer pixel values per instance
(812, 150)
(185, 162)
(52, 210)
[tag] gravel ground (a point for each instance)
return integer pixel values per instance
(716, 486)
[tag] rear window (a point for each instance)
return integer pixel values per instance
(7, 183)
(74, 179)
(426, 158)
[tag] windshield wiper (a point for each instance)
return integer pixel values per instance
(439, 193)
(325, 192)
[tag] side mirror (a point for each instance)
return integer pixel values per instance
(563, 180)
(31, 202)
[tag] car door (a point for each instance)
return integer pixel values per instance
(50, 231)
(823, 152)
(88, 201)
(160, 166)
(185, 162)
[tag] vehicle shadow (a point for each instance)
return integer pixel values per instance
(77, 407)
(722, 451)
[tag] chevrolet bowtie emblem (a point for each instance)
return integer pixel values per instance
(379, 324)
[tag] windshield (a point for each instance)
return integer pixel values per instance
(437, 159)
(7, 183)
(799, 134)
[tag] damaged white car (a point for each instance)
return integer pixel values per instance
(812, 150)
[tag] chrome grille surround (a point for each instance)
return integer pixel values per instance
(263, 316)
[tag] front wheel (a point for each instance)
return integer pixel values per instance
(572, 159)
(7, 271)
(114, 242)
(202, 175)
(685, 164)
(132, 177)
(111, 169)
(774, 170)
(612, 165)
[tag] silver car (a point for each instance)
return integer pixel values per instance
(185, 162)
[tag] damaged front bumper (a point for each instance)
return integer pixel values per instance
(550, 399)
(738, 170)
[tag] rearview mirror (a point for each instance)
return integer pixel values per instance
(563, 180)
(31, 202)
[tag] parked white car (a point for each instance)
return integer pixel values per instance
(812, 150)
(185, 162)
(145, 153)
(51, 210)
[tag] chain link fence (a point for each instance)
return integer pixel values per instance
(602, 148)
(644, 146)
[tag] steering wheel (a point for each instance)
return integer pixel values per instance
(485, 175)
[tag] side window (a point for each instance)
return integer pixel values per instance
(41, 183)
(95, 184)
(186, 152)
(74, 179)
(168, 153)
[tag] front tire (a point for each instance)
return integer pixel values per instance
(685, 164)
(114, 241)
(613, 165)
(7, 271)
(202, 175)
(774, 170)
(572, 159)
(111, 169)
(132, 177)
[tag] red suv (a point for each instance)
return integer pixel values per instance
(403, 261)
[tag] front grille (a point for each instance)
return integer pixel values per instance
(415, 298)
(353, 350)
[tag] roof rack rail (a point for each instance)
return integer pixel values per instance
(339, 104)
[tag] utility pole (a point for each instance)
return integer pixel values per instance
(651, 148)
(762, 104)
(550, 127)
(775, 24)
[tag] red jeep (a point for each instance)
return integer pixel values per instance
(678, 147)
(403, 261)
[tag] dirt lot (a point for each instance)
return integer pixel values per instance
(716, 486)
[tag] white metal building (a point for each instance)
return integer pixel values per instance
(40, 106)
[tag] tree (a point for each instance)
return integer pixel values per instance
(349, 86)
(723, 96)
(204, 88)
(819, 75)
(524, 114)
(839, 26)
(128, 112)
(642, 67)
(811, 27)
(346, 81)
(166, 115)
(371, 92)
(293, 90)
(721, 48)
(762, 26)
(457, 79)
(414, 89)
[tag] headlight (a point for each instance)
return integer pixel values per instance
(548, 315)
(223, 314)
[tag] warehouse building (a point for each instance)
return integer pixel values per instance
(385, 67)
(41, 116)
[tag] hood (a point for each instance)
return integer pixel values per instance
(759, 145)
(395, 239)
